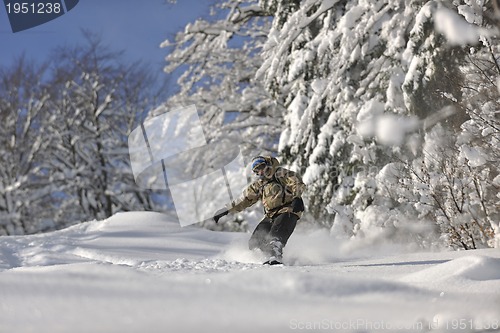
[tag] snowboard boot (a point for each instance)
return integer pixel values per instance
(276, 249)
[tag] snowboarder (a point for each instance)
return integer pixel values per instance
(280, 191)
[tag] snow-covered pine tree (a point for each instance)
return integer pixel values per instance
(357, 78)
(336, 64)
(478, 143)
(363, 84)
(453, 181)
(217, 59)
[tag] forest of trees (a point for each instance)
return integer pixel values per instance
(64, 130)
(390, 114)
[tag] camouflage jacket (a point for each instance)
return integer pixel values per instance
(276, 193)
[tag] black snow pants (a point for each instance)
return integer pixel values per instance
(271, 231)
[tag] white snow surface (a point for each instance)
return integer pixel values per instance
(142, 272)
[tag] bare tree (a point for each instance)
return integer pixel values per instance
(65, 135)
(23, 104)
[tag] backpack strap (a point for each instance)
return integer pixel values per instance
(274, 179)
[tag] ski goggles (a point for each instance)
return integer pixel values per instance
(259, 164)
(258, 169)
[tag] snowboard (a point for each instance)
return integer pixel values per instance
(273, 263)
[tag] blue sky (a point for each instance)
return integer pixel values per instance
(135, 26)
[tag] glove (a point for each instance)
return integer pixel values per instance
(297, 205)
(220, 213)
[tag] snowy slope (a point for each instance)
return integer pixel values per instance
(141, 272)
